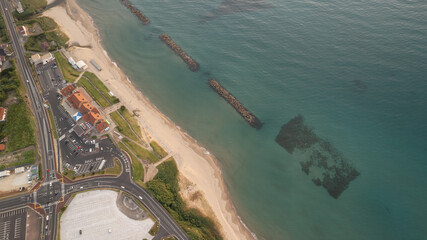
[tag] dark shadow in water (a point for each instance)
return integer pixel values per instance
(228, 7)
(360, 85)
(320, 160)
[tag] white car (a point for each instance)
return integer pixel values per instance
(140, 197)
(123, 187)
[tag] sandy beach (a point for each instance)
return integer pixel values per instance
(199, 170)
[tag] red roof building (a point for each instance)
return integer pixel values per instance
(101, 126)
(92, 118)
(67, 90)
(2, 147)
(3, 112)
(86, 107)
(77, 99)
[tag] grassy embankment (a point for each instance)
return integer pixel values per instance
(158, 150)
(140, 152)
(137, 168)
(52, 123)
(4, 34)
(115, 170)
(25, 158)
(19, 125)
(122, 126)
(69, 73)
(97, 90)
(131, 120)
(165, 189)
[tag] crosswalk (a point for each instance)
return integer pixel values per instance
(126, 160)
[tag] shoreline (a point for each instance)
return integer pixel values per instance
(194, 162)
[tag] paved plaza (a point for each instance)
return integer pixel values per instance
(96, 214)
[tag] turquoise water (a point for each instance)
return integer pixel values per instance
(356, 70)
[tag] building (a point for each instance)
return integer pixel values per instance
(102, 126)
(85, 108)
(72, 62)
(2, 147)
(4, 173)
(67, 90)
(3, 113)
(92, 117)
(19, 7)
(19, 170)
(23, 30)
(37, 59)
(77, 99)
(4, 50)
(81, 65)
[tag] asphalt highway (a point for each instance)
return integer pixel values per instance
(51, 190)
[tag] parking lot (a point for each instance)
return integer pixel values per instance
(82, 154)
(13, 223)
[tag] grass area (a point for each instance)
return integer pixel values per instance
(83, 82)
(158, 150)
(26, 158)
(52, 123)
(137, 168)
(127, 115)
(31, 7)
(122, 126)
(165, 189)
(116, 170)
(19, 127)
(69, 73)
(4, 34)
(35, 43)
(154, 229)
(45, 23)
(140, 152)
(101, 87)
(19, 124)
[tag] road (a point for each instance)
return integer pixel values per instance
(51, 190)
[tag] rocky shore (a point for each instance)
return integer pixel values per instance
(193, 65)
(246, 114)
(135, 11)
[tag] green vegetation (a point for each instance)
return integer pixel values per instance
(165, 189)
(158, 150)
(19, 125)
(101, 87)
(4, 34)
(154, 229)
(35, 43)
(40, 171)
(122, 126)
(31, 7)
(137, 168)
(116, 170)
(69, 73)
(83, 82)
(127, 115)
(140, 152)
(45, 23)
(25, 158)
(52, 123)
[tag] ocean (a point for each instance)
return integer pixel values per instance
(355, 70)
